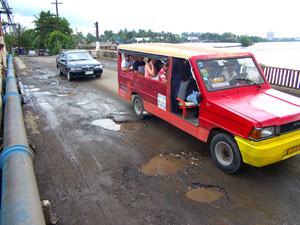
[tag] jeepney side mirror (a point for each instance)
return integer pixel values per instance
(199, 98)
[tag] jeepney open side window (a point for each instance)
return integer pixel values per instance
(183, 85)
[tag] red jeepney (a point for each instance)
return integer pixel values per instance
(218, 97)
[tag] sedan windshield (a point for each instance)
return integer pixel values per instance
(78, 56)
(222, 74)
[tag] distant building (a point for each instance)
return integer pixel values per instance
(192, 39)
(270, 35)
(142, 39)
(110, 46)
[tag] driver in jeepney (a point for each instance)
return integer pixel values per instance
(229, 72)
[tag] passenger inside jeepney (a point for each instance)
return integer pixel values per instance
(163, 73)
(139, 66)
(151, 69)
(127, 63)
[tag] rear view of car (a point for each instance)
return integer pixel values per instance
(41, 52)
(31, 53)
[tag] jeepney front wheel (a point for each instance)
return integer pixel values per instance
(226, 153)
(138, 106)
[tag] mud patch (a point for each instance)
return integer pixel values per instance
(31, 122)
(164, 165)
(205, 195)
(109, 124)
(125, 127)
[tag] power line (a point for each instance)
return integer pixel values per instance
(7, 10)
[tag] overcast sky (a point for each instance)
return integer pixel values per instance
(255, 17)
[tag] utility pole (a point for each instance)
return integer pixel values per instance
(97, 37)
(19, 40)
(57, 22)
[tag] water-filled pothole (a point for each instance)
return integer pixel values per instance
(65, 95)
(109, 124)
(205, 195)
(164, 165)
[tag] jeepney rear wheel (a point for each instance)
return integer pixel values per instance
(138, 106)
(225, 153)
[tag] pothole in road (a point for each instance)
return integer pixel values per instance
(164, 165)
(205, 194)
(65, 95)
(43, 75)
(109, 124)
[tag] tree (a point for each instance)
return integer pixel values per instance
(56, 41)
(10, 40)
(245, 41)
(45, 24)
(28, 39)
(90, 38)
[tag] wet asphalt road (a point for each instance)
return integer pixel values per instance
(94, 175)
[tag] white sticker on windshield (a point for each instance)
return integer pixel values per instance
(220, 84)
(161, 101)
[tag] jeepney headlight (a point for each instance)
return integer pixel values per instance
(75, 68)
(262, 133)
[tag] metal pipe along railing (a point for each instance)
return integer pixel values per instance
(20, 200)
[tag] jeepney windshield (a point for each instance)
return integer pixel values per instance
(222, 74)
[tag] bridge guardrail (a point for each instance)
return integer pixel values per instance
(282, 77)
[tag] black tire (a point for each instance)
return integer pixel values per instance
(225, 153)
(69, 76)
(59, 71)
(98, 75)
(138, 106)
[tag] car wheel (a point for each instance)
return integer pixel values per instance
(59, 71)
(69, 76)
(138, 106)
(226, 153)
(98, 75)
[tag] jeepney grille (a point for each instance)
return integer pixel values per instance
(87, 68)
(289, 127)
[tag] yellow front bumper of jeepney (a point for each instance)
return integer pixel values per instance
(262, 153)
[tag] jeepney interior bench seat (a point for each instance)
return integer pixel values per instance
(181, 98)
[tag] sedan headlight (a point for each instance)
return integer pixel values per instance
(75, 68)
(262, 133)
(98, 67)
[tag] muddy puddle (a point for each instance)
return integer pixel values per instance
(109, 124)
(44, 75)
(164, 165)
(65, 95)
(205, 195)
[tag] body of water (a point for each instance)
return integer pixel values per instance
(276, 54)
